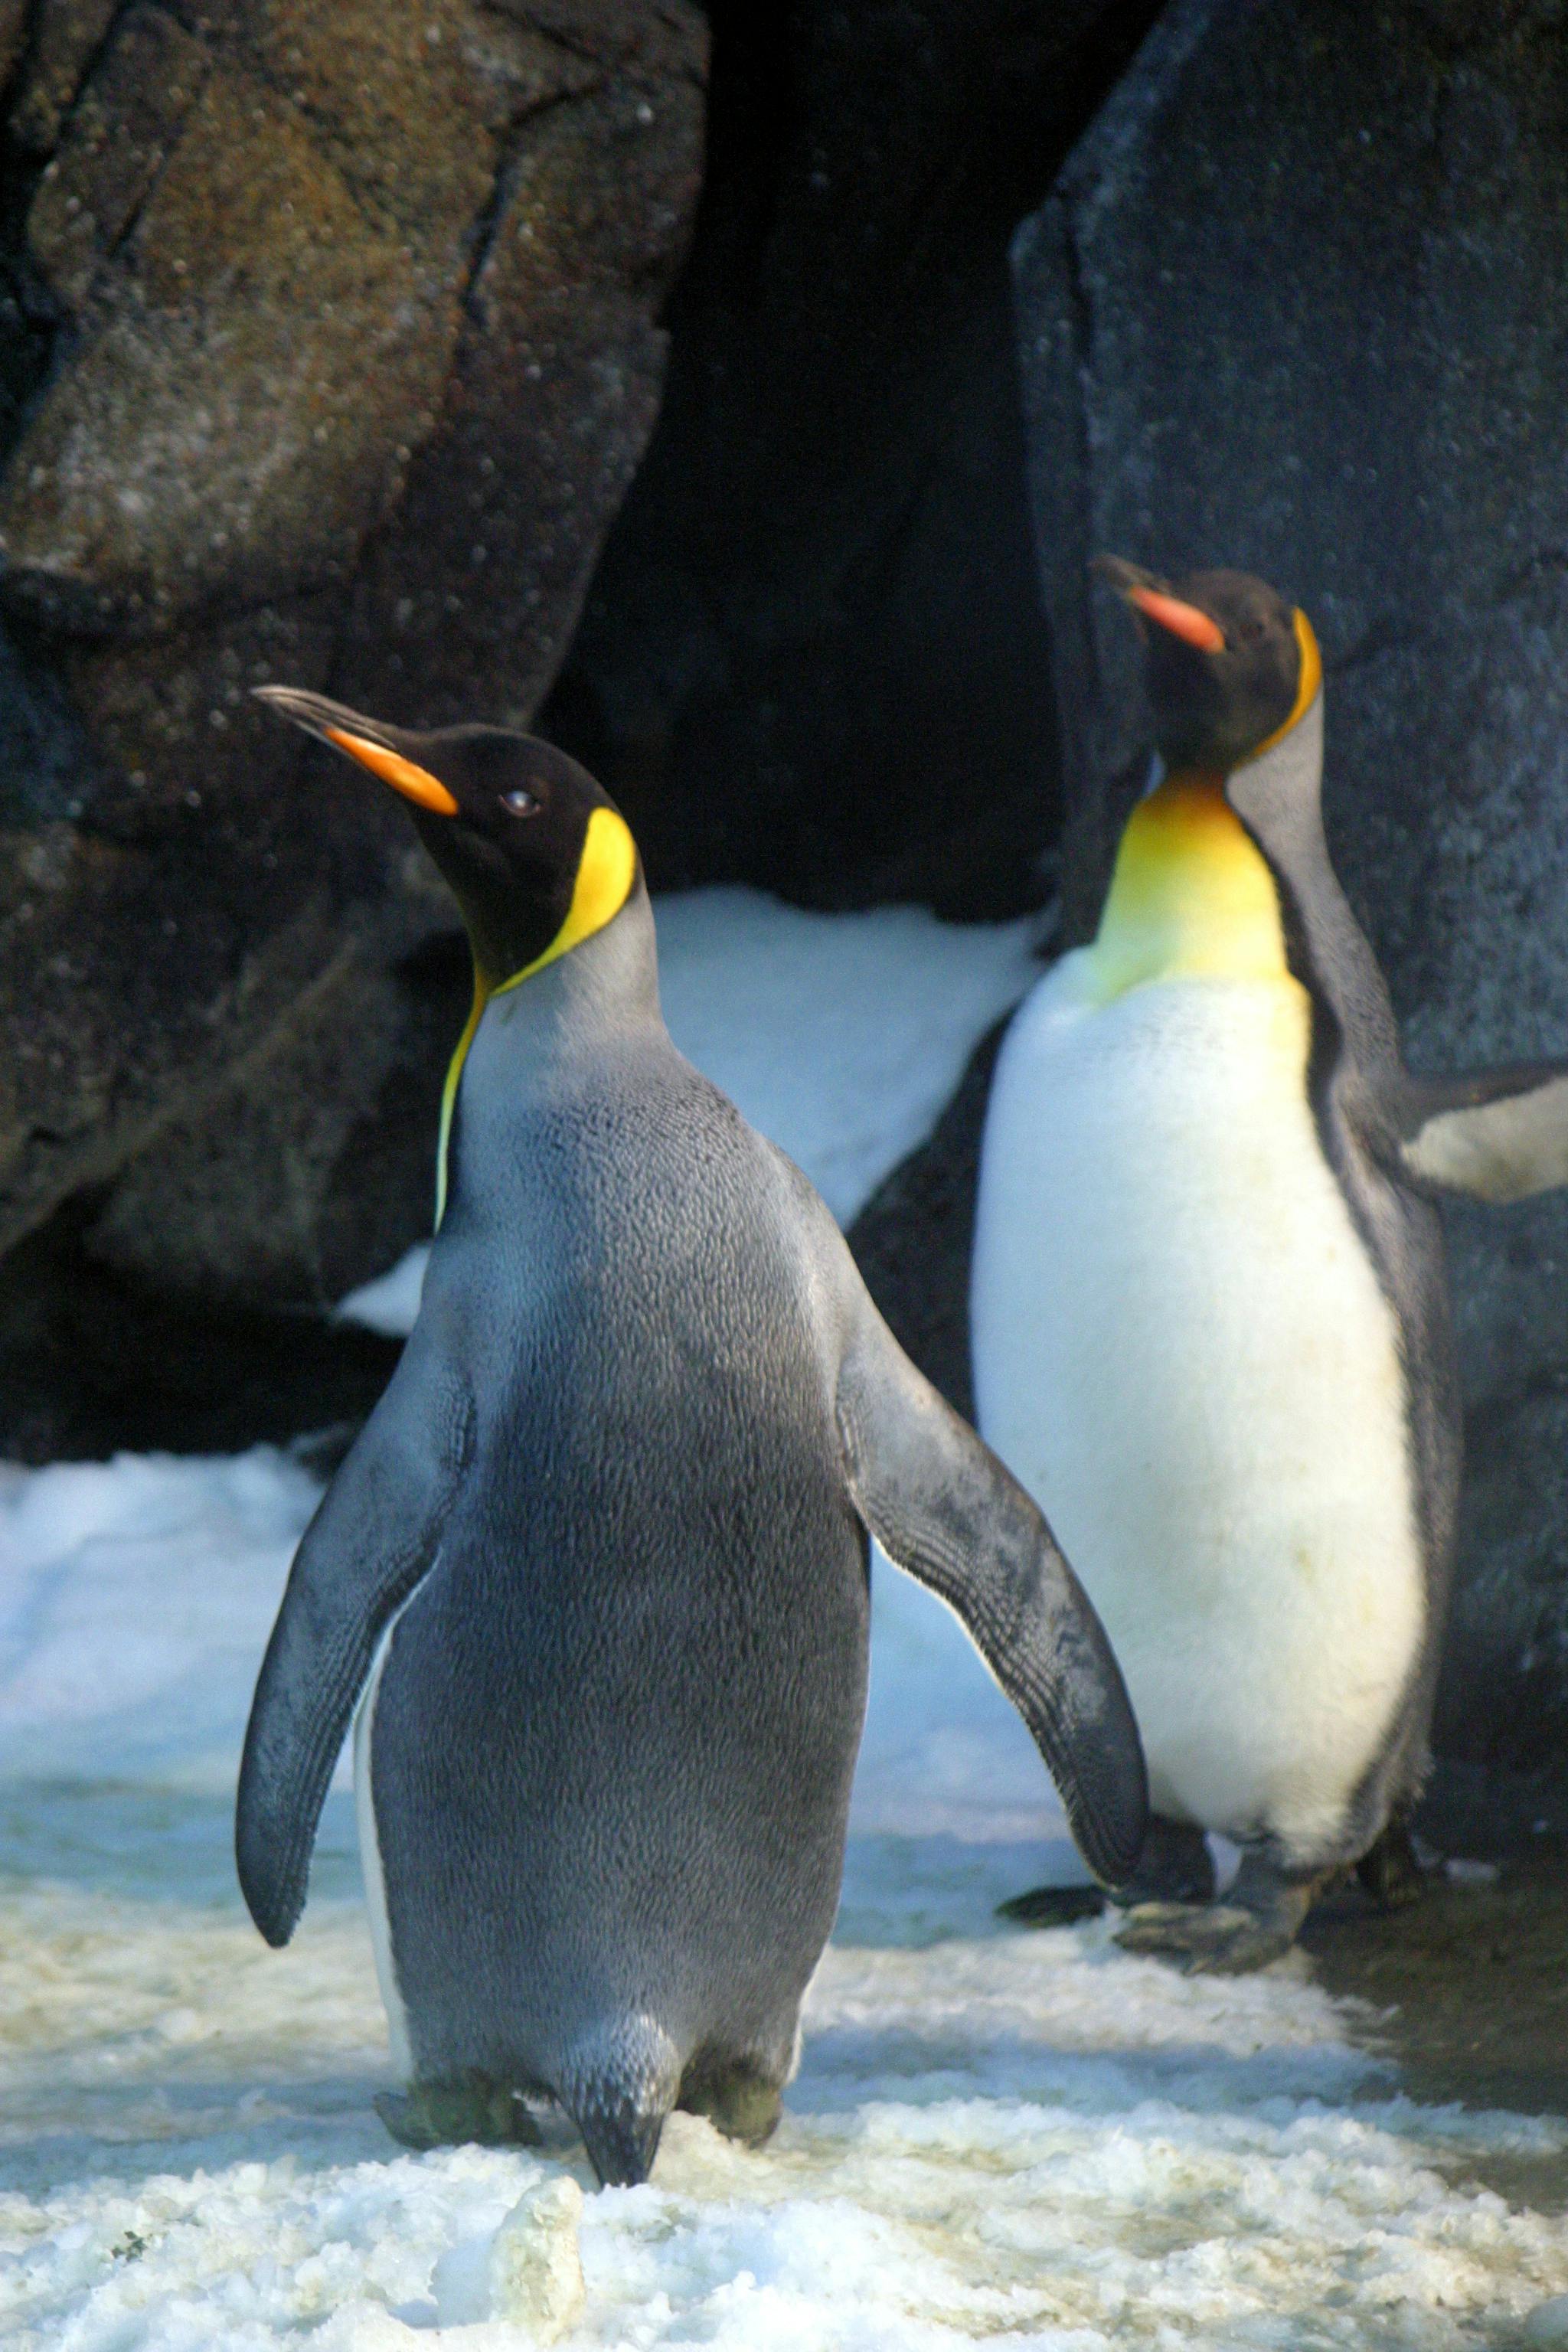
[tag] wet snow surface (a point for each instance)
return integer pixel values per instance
(994, 2135)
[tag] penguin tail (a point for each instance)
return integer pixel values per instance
(618, 2091)
(621, 2140)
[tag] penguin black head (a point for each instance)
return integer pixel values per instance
(1229, 663)
(537, 853)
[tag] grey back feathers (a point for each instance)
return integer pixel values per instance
(620, 1488)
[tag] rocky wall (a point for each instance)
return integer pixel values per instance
(329, 343)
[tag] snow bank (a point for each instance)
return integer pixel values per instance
(136, 1597)
(840, 1037)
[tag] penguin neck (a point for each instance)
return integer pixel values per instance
(1279, 799)
(1191, 897)
(558, 1032)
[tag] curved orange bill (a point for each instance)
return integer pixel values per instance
(1183, 621)
(417, 784)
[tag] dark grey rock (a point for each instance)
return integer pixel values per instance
(813, 657)
(90, 1362)
(1297, 304)
(313, 1167)
(54, 40)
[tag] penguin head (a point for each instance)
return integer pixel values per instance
(1230, 665)
(537, 855)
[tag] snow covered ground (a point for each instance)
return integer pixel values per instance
(995, 2136)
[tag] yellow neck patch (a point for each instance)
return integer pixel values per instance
(449, 1091)
(605, 873)
(1190, 894)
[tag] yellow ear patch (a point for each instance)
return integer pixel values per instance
(417, 784)
(605, 872)
(1192, 894)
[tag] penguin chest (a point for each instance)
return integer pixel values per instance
(1185, 1352)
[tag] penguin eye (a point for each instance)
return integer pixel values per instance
(1250, 631)
(520, 802)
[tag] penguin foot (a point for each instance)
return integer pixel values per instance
(443, 2115)
(1054, 1906)
(1217, 1939)
(737, 2099)
(1257, 1924)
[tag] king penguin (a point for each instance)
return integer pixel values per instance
(595, 1572)
(1210, 1318)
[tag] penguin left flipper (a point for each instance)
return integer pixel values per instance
(1498, 1135)
(374, 1537)
(944, 1509)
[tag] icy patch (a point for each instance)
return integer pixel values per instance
(840, 1037)
(943, 1752)
(390, 1305)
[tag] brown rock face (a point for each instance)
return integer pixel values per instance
(1297, 304)
(331, 346)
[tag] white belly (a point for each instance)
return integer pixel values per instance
(1183, 1351)
(370, 1855)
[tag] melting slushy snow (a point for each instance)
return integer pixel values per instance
(840, 1037)
(994, 2135)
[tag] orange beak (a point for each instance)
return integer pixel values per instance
(332, 723)
(416, 784)
(1183, 621)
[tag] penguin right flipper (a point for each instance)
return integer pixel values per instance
(944, 1509)
(1498, 1135)
(373, 1536)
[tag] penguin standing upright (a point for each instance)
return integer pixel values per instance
(1210, 1318)
(595, 1571)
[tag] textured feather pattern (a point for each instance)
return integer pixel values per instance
(607, 1749)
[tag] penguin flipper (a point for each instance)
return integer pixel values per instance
(373, 1538)
(946, 1510)
(1498, 1135)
